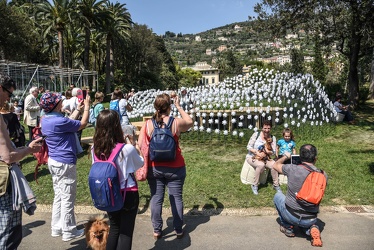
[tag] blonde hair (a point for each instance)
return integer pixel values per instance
(98, 96)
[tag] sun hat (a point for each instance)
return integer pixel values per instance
(49, 101)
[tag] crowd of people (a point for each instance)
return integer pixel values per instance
(63, 117)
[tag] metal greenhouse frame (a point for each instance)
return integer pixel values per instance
(51, 78)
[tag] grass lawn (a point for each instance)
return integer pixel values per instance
(214, 166)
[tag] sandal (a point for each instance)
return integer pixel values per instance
(157, 236)
(315, 235)
(180, 235)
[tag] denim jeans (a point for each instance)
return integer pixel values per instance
(172, 178)
(287, 219)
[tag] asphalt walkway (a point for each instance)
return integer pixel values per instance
(226, 229)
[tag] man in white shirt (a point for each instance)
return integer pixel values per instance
(32, 110)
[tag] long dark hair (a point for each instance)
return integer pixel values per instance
(108, 133)
(162, 105)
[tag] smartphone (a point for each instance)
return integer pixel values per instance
(84, 93)
(295, 159)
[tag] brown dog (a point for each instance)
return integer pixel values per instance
(97, 231)
(268, 147)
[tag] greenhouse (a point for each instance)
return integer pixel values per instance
(51, 78)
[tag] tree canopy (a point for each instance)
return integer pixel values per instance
(348, 23)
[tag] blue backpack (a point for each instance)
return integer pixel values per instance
(104, 182)
(162, 146)
(114, 105)
(91, 117)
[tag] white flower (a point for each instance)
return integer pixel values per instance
(250, 126)
(276, 120)
(234, 133)
(241, 134)
(196, 128)
(216, 131)
(255, 129)
(224, 122)
(286, 125)
(225, 115)
(233, 113)
(225, 132)
(210, 121)
(216, 121)
(208, 130)
(256, 117)
(195, 123)
(219, 114)
(201, 128)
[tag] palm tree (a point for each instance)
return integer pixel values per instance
(115, 27)
(91, 14)
(54, 16)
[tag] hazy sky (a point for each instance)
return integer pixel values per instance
(188, 16)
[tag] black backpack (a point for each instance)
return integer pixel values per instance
(162, 146)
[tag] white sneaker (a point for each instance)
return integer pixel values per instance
(77, 234)
(56, 233)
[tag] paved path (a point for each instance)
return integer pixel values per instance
(340, 230)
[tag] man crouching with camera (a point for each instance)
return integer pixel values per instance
(293, 211)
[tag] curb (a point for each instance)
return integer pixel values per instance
(367, 210)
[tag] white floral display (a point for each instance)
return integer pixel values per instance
(239, 102)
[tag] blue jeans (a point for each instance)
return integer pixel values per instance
(287, 219)
(172, 178)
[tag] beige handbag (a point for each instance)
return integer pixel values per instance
(4, 177)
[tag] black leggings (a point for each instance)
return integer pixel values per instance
(122, 223)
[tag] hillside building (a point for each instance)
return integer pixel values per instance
(209, 74)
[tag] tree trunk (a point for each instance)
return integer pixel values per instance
(353, 81)
(371, 88)
(108, 65)
(60, 49)
(86, 56)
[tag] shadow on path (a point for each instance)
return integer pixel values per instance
(192, 219)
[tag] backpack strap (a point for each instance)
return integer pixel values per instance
(258, 135)
(170, 122)
(115, 152)
(155, 125)
(307, 167)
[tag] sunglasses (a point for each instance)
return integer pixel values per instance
(10, 94)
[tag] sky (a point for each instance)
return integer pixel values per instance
(188, 16)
